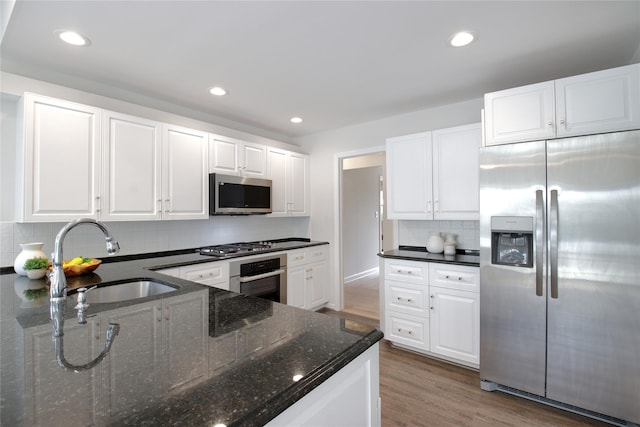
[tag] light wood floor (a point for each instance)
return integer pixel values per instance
(420, 391)
(361, 297)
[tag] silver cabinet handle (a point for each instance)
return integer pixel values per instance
(539, 241)
(406, 331)
(553, 243)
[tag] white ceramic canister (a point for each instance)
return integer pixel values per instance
(435, 243)
(29, 250)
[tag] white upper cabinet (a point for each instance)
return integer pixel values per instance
(456, 166)
(132, 168)
(289, 173)
(233, 157)
(602, 101)
(524, 113)
(185, 183)
(58, 160)
(409, 190)
(434, 175)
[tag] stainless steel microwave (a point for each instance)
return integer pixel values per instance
(236, 195)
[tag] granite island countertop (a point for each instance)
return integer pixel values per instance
(196, 356)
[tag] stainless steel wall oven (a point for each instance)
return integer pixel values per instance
(264, 277)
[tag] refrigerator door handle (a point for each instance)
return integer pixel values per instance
(553, 243)
(539, 242)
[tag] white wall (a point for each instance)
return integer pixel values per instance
(134, 237)
(326, 147)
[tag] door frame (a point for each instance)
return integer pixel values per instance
(338, 285)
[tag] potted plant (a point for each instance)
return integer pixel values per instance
(36, 267)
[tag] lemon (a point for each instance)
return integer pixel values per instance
(76, 261)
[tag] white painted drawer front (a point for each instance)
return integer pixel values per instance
(407, 298)
(317, 253)
(210, 272)
(296, 257)
(406, 271)
(455, 277)
(408, 330)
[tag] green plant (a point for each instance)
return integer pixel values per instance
(37, 263)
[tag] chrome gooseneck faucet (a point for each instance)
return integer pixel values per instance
(57, 277)
(58, 298)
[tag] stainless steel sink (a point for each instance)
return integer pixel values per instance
(127, 291)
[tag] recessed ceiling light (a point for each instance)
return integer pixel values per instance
(73, 38)
(217, 91)
(460, 39)
(296, 120)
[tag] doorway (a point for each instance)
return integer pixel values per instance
(363, 232)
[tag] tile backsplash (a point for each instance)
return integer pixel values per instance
(416, 233)
(148, 236)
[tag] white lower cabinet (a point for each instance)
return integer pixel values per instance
(455, 324)
(307, 274)
(351, 397)
(185, 346)
(433, 308)
(215, 274)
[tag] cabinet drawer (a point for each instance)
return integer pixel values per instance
(406, 298)
(455, 277)
(211, 273)
(406, 271)
(297, 257)
(408, 330)
(317, 253)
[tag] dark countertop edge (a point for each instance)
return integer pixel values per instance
(278, 404)
(468, 257)
(304, 242)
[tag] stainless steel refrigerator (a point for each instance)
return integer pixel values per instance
(560, 272)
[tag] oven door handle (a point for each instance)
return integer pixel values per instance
(246, 279)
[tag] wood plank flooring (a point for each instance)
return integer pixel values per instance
(420, 391)
(361, 297)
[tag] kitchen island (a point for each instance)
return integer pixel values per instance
(194, 356)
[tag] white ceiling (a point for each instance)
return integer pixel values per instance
(334, 63)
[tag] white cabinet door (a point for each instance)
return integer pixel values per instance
(296, 282)
(456, 166)
(289, 173)
(131, 178)
(44, 378)
(525, 113)
(278, 173)
(298, 188)
(185, 184)
(409, 190)
(598, 102)
(59, 160)
(185, 333)
(234, 157)
(455, 324)
(316, 287)
(131, 370)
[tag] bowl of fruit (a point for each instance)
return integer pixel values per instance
(79, 265)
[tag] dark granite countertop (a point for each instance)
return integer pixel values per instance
(238, 369)
(419, 253)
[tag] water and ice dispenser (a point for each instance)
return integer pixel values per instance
(512, 241)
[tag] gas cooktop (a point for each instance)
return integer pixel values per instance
(235, 248)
